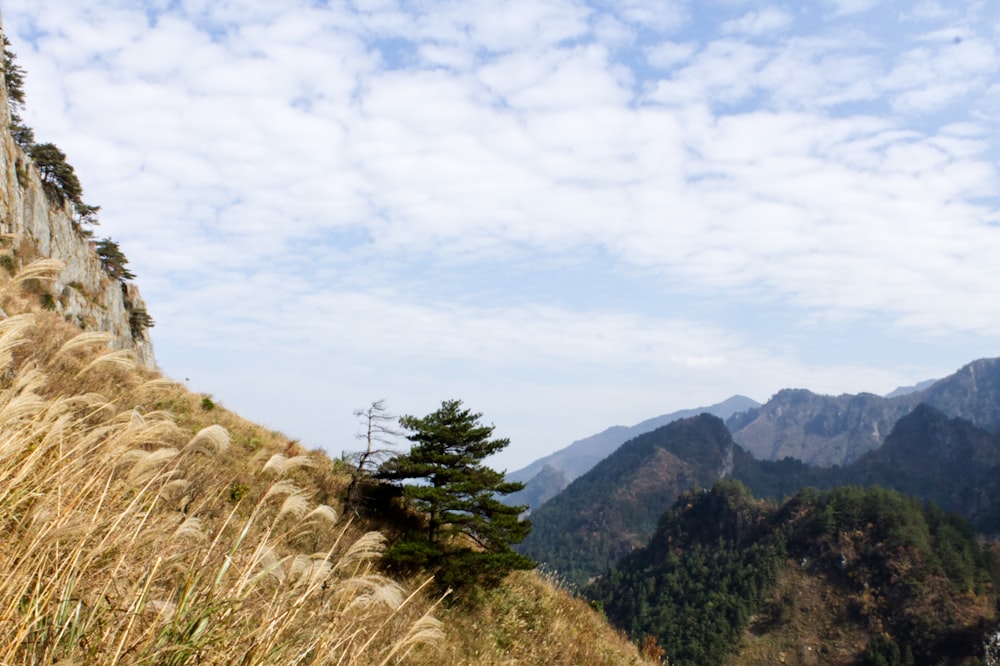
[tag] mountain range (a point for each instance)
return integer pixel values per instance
(939, 444)
(835, 430)
(820, 430)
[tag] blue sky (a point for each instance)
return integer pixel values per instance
(568, 214)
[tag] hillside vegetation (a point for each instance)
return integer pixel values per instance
(145, 524)
(614, 507)
(847, 576)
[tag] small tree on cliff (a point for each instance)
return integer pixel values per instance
(13, 76)
(58, 175)
(113, 260)
(467, 532)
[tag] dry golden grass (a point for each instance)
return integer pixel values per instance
(818, 625)
(146, 525)
(530, 620)
(130, 539)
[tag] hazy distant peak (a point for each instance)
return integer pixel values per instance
(906, 390)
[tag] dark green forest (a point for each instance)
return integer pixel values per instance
(918, 579)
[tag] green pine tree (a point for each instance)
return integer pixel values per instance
(14, 80)
(58, 175)
(113, 260)
(467, 532)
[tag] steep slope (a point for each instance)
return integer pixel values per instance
(945, 460)
(547, 476)
(614, 507)
(971, 393)
(144, 524)
(147, 510)
(845, 577)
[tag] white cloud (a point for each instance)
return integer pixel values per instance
(928, 78)
(666, 55)
(278, 185)
(927, 10)
(755, 23)
(724, 72)
(659, 15)
(851, 7)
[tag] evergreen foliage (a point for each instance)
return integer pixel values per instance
(86, 215)
(113, 260)
(13, 77)
(58, 176)
(883, 651)
(917, 576)
(23, 135)
(465, 534)
(709, 568)
(14, 82)
(138, 320)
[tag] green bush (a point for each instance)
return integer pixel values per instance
(238, 491)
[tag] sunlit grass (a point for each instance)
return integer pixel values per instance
(124, 545)
(140, 528)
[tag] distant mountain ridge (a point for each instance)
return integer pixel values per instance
(939, 444)
(819, 429)
(547, 476)
(927, 452)
(904, 390)
(826, 430)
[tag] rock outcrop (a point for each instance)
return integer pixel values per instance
(36, 225)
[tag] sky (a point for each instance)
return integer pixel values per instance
(568, 214)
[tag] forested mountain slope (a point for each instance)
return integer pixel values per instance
(945, 460)
(843, 577)
(547, 476)
(614, 507)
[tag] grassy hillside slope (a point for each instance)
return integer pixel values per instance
(144, 524)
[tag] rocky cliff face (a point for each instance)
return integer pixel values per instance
(818, 429)
(34, 226)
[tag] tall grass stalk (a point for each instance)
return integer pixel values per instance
(124, 543)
